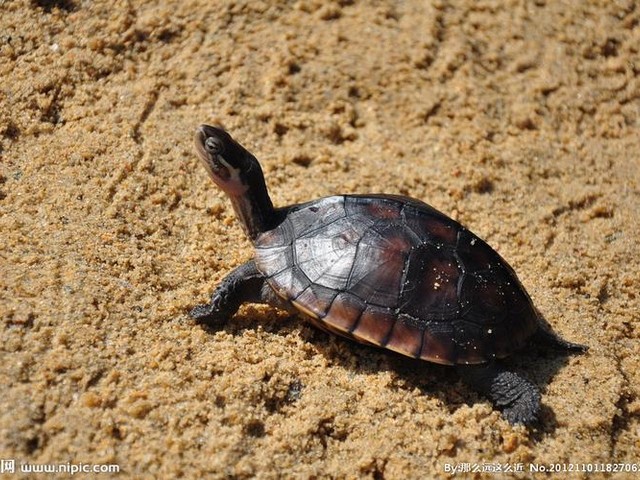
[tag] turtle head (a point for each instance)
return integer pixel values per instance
(227, 162)
(238, 174)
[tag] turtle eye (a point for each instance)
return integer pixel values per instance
(213, 145)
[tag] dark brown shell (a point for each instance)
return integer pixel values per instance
(396, 273)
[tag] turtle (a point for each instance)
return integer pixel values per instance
(384, 270)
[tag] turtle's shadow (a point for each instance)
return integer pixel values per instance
(538, 363)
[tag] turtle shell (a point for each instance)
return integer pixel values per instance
(396, 273)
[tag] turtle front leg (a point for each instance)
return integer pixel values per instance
(244, 284)
(518, 398)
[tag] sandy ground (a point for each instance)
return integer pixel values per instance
(520, 119)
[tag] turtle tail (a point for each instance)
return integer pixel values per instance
(546, 336)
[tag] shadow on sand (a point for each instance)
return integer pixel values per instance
(538, 363)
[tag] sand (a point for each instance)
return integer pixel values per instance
(519, 119)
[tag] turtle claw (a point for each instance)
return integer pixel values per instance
(243, 284)
(516, 397)
(524, 409)
(206, 314)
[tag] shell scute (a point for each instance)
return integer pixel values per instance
(405, 338)
(289, 282)
(378, 266)
(327, 257)
(435, 229)
(372, 208)
(275, 259)
(277, 237)
(474, 253)
(345, 311)
(431, 287)
(375, 325)
(316, 299)
(307, 218)
(438, 344)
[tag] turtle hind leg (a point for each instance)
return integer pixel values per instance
(516, 397)
(243, 284)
